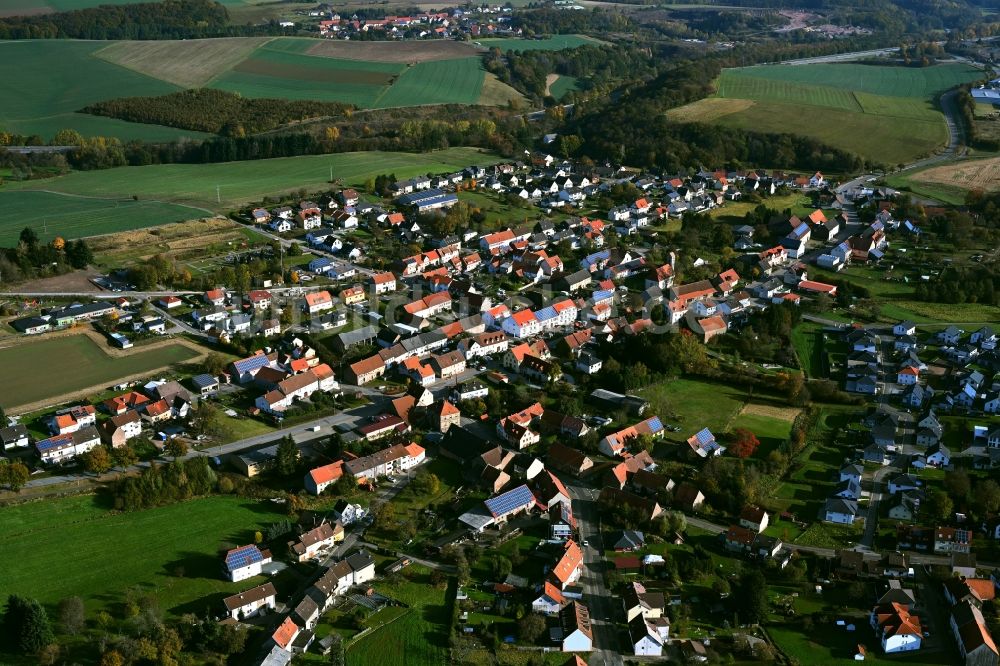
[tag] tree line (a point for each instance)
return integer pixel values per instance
(216, 111)
(169, 19)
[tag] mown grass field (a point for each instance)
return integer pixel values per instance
(43, 83)
(61, 547)
(51, 367)
(563, 85)
(885, 114)
(418, 638)
(243, 182)
(52, 215)
(553, 43)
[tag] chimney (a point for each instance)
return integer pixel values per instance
(673, 258)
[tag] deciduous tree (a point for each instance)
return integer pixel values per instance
(97, 460)
(745, 443)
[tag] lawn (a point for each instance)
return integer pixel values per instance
(239, 183)
(884, 113)
(51, 214)
(695, 404)
(553, 43)
(417, 638)
(50, 367)
(109, 552)
(828, 644)
(810, 345)
(39, 94)
(814, 473)
(563, 85)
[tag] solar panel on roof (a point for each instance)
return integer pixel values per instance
(655, 425)
(252, 363)
(546, 313)
(705, 436)
(510, 500)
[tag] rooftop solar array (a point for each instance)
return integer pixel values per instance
(243, 556)
(254, 362)
(705, 437)
(546, 313)
(655, 425)
(56, 442)
(509, 501)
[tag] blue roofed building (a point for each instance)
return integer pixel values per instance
(245, 369)
(245, 562)
(703, 444)
(510, 503)
(320, 265)
(432, 199)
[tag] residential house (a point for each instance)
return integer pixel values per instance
(577, 634)
(840, 511)
(245, 562)
(754, 518)
(321, 478)
(251, 602)
(896, 628)
(310, 543)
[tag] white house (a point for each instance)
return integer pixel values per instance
(896, 629)
(245, 562)
(841, 511)
(251, 602)
(577, 635)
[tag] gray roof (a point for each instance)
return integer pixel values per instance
(204, 381)
(357, 336)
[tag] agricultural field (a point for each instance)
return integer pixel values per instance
(191, 63)
(51, 214)
(882, 113)
(39, 369)
(243, 182)
(553, 43)
(159, 542)
(39, 94)
(955, 177)
(408, 52)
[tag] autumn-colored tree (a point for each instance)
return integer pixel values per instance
(58, 243)
(744, 443)
(332, 133)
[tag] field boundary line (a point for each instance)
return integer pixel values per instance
(117, 200)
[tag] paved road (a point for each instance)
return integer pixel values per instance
(301, 432)
(602, 605)
(840, 57)
(871, 521)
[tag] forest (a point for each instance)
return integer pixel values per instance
(215, 111)
(170, 19)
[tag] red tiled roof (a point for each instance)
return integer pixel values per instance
(571, 559)
(286, 633)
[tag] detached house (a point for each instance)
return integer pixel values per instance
(251, 602)
(896, 629)
(245, 562)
